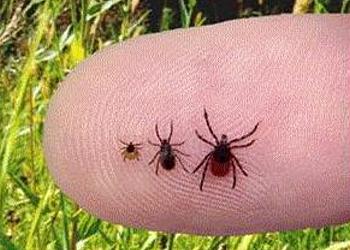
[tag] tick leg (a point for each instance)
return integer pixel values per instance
(182, 153)
(234, 174)
(124, 142)
(203, 139)
(183, 166)
(239, 165)
(171, 131)
(177, 144)
(203, 175)
(154, 144)
(137, 144)
(154, 157)
(244, 145)
(157, 168)
(202, 162)
(209, 127)
(246, 135)
(157, 133)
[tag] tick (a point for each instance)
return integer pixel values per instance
(130, 150)
(221, 157)
(167, 155)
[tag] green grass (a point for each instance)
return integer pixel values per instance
(40, 42)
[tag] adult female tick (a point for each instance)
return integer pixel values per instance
(166, 156)
(221, 158)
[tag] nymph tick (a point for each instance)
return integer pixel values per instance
(166, 155)
(221, 158)
(130, 151)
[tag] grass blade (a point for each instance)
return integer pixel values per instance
(345, 8)
(31, 196)
(65, 223)
(245, 242)
(339, 246)
(170, 242)
(27, 72)
(149, 242)
(37, 217)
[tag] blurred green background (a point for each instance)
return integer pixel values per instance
(40, 42)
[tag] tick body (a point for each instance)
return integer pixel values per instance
(221, 158)
(130, 150)
(167, 156)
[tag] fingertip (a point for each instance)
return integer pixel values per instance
(138, 193)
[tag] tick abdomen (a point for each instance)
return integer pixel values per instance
(219, 169)
(168, 161)
(220, 161)
(167, 157)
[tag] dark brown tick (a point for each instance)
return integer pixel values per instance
(130, 151)
(221, 158)
(166, 155)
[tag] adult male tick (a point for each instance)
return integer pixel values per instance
(221, 158)
(166, 155)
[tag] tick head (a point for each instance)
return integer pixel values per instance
(223, 139)
(130, 148)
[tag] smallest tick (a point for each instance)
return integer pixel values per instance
(130, 150)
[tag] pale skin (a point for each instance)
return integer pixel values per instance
(290, 73)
